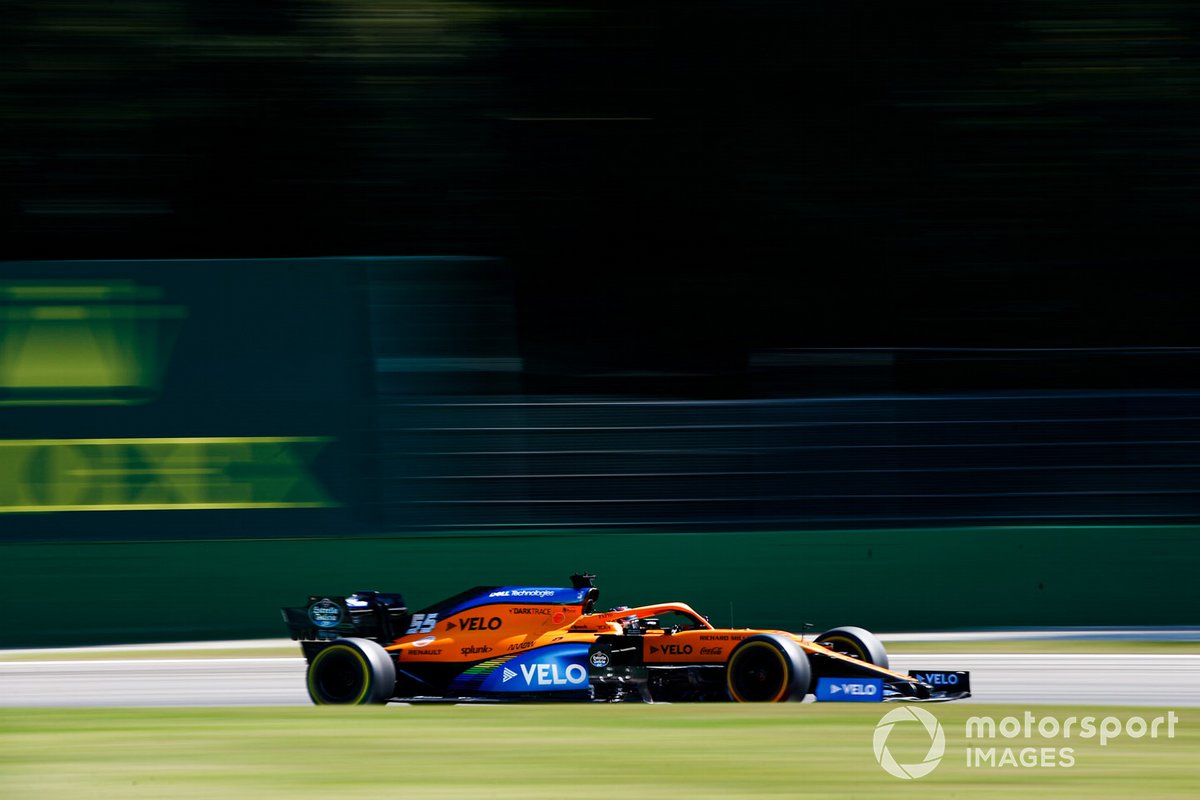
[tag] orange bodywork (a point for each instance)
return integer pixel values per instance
(500, 629)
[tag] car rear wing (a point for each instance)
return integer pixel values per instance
(367, 615)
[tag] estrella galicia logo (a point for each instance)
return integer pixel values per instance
(599, 659)
(325, 613)
(930, 727)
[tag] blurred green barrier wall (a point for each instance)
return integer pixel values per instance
(886, 580)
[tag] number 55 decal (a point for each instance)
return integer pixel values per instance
(422, 623)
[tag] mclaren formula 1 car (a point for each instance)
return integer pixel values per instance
(496, 643)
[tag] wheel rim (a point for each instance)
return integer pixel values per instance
(339, 676)
(846, 647)
(758, 674)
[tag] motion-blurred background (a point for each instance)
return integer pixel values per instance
(829, 312)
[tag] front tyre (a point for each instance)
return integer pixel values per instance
(351, 672)
(767, 668)
(855, 642)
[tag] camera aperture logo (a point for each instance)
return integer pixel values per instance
(910, 720)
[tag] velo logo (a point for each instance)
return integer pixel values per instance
(903, 718)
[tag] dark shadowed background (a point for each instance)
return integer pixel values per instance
(814, 296)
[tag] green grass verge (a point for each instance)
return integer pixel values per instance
(634, 751)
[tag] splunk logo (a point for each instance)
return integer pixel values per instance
(914, 723)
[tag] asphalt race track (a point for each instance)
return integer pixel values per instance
(1128, 679)
(154, 682)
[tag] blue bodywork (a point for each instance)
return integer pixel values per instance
(553, 668)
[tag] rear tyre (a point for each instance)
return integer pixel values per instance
(351, 672)
(857, 643)
(767, 668)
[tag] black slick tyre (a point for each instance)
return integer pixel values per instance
(767, 668)
(855, 642)
(351, 672)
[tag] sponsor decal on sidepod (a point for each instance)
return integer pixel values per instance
(549, 669)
